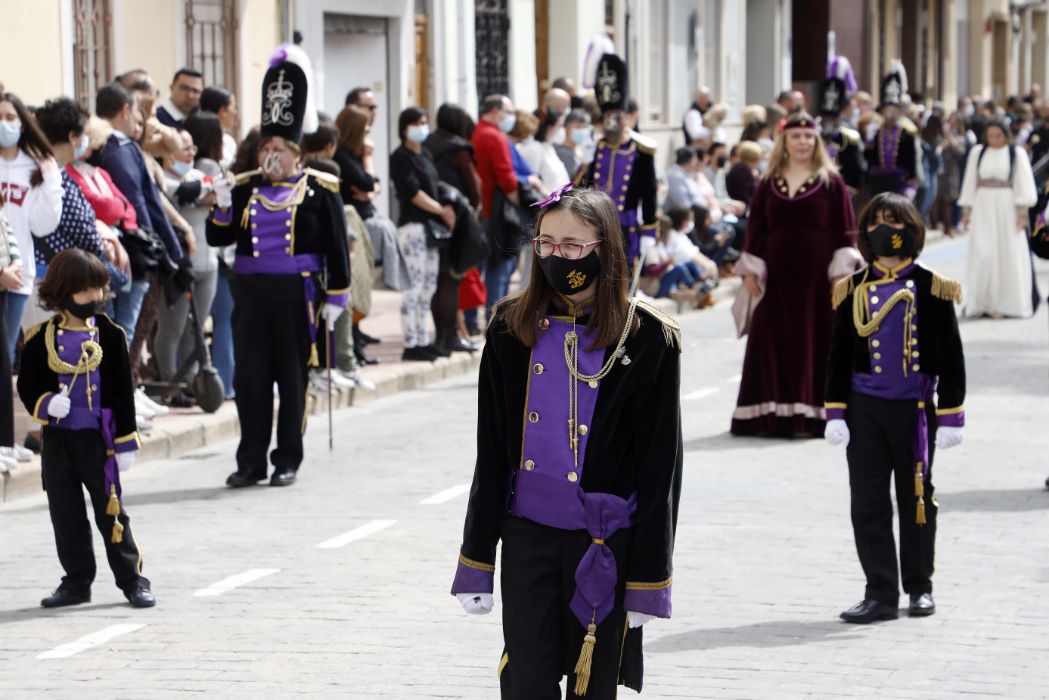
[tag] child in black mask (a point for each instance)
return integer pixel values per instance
(75, 380)
(895, 343)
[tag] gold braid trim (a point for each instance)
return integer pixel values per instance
(246, 176)
(671, 328)
(28, 335)
(946, 288)
(90, 356)
(639, 586)
(325, 180)
(841, 291)
(473, 564)
(866, 329)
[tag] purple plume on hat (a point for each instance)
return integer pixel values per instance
(279, 56)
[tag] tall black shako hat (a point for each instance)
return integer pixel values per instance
(610, 86)
(893, 86)
(288, 109)
(833, 97)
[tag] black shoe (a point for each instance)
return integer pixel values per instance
(283, 478)
(417, 355)
(437, 352)
(870, 610)
(922, 605)
(238, 480)
(33, 444)
(363, 359)
(180, 399)
(362, 338)
(61, 598)
(1046, 478)
(140, 597)
(457, 344)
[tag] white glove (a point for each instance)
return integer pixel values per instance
(636, 619)
(58, 406)
(948, 437)
(223, 189)
(476, 603)
(125, 460)
(837, 433)
(646, 243)
(330, 313)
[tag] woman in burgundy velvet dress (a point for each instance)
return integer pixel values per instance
(798, 244)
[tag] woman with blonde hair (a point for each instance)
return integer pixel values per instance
(797, 245)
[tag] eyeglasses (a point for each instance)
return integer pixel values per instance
(544, 248)
(371, 108)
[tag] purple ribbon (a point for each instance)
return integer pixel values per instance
(111, 470)
(917, 387)
(596, 575)
(555, 196)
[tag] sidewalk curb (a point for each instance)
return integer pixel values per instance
(176, 435)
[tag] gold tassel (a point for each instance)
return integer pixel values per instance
(586, 657)
(118, 533)
(244, 217)
(314, 360)
(919, 482)
(113, 507)
(920, 519)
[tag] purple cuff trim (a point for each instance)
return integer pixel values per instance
(835, 414)
(129, 446)
(655, 602)
(471, 580)
(951, 420)
(340, 300)
(222, 216)
(41, 412)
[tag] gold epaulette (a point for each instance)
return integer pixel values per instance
(946, 288)
(909, 126)
(644, 143)
(851, 136)
(28, 335)
(241, 178)
(671, 328)
(325, 180)
(841, 291)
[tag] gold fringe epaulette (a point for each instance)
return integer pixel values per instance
(28, 335)
(241, 178)
(946, 288)
(645, 144)
(671, 328)
(841, 291)
(850, 136)
(325, 180)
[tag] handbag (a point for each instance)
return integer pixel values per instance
(437, 234)
(147, 253)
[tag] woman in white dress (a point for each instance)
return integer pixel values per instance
(996, 193)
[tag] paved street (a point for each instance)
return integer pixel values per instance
(341, 582)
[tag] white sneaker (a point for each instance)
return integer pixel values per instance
(318, 382)
(158, 409)
(358, 378)
(142, 409)
(142, 423)
(6, 463)
(22, 454)
(341, 381)
(10, 454)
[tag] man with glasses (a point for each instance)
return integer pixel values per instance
(364, 100)
(184, 100)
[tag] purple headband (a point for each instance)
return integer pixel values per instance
(555, 196)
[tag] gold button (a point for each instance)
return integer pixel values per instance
(573, 477)
(60, 331)
(910, 284)
(533, 417)
(287, 250)
(877, 369)
(877, 356)
(875, 343)
(544, 324)
(61, 348)
(914, 327)
(914, 353)
(874, 300)
(254, 226)
(583, 430)
(529, 465)
(254, 212)
(538, 369)
(256, 253)
(254, 190)
(94, 387)
(288, 222)
(916, 367)
(287, 236)
(254, 239)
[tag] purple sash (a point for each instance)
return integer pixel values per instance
(110, 468)
(288, 265)
(917, 387)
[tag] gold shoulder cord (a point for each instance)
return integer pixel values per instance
(865, 330)
(574, 376)
(297, 196)
(90, 359)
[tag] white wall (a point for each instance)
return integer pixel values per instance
(523, 84)
(572, 24)
(453, 53)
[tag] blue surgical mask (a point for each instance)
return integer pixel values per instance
(417, 133)
(10, 132)
(80, 149)
(579, 136)
(181, 168)
(507, 124)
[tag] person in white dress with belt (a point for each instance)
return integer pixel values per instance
(996, 193)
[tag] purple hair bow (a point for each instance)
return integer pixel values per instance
(555, 196)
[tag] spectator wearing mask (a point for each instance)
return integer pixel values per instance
(415, 180)
(184, 98)
(10, 278)
(124, 161)
(577, 134)
(31, 194)
(223, 103)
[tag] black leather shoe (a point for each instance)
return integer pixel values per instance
(363, 359)
(61, 598)
(457, 344)
(436, 351)
(416, 355)
(870, 610)
(363, 338)
(282, 478)
(238, 480)
(140, 597)
(922, 605)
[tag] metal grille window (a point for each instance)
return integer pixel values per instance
(211, 27)
(492, 22)
(91, 57)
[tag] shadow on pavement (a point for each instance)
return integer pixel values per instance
(995, 501)
(783, 633)
(37, 612)
(728, 441)
(179, 495)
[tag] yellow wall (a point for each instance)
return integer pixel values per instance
(144, 36)
(258, 36)
(30, 49)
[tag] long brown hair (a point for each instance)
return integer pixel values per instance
(900, 210)
(595, 209)
(32, 140)
(352, 123)
(822, 164)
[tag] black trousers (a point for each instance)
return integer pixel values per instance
(881, 448)
(445, 303)
(72, 460)
(7, 394)
(271, 343)
(542, 637)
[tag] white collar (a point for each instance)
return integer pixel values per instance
(174, 111)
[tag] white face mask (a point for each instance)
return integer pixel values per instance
(417, 133)
(181, 168)
(559, 135)
(271, 166)
(80, 149)
(10, 132)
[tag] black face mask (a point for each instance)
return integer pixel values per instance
(570, 276)
(721, 161)
(84, 311)
(888, 241)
